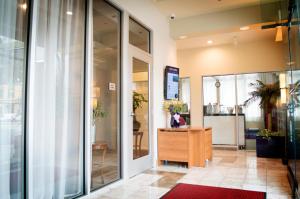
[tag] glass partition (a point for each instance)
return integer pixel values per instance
(56, 100)
(13, 45)
(139, 36)
(255, 119)
(219, 94)
(224, 101)
(105, 94)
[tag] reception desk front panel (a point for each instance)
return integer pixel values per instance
(193, 145)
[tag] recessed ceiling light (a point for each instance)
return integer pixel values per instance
(69, 13)
(209, 41)
(183, 37)
(245, 28)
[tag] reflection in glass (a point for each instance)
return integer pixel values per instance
(140, 93)
(13, 35)
(293, 79)
(139, 36)
(105, 94)
(56, 100)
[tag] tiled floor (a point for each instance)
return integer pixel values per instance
(231, 169)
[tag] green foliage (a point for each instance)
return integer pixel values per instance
(98, 112)
(173, 106)
(268, 95)
(138, 100)
(265, 133)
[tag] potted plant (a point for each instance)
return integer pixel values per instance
(97, 114)
(137, 102)
(172, 107)
(269, 143)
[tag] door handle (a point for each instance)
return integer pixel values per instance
(132, 114)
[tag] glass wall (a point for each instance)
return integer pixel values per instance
(13, 42)
(105, 131)
(56, 99)
(293, 83)
(225, 96)
(220, 93)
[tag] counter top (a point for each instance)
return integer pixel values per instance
(224, 114)
(185, 129)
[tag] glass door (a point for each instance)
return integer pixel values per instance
(140, 138)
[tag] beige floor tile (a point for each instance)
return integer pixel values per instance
(229, 169)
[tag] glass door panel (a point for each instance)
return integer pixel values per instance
(105, 97)
(140, 98)
(13, 45)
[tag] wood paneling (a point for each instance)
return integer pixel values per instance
(185, 145)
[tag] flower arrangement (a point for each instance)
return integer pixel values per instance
(98, 112)
(173, 106)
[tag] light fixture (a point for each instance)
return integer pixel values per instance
(279, 34)
(283, 88)
(282, 80)
(209, 41)
(24, 6)
(283, 96)
(183, 37)
(69, 13)
(244, 28)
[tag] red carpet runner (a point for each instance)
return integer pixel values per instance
(188, 191)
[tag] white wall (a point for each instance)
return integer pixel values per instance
(163, 51)
(259, 56)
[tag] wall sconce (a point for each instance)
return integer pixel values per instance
(283, 88)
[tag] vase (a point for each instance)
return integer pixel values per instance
(168, 120)
(93, 133)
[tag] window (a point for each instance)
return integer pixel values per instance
(13, 45)
(139, 36)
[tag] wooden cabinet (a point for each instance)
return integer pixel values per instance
(191, 145)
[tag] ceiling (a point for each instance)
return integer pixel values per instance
(234, 38)
(187, 8)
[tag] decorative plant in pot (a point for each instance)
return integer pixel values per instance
(137, 102)
(97, 114)
(172, 107)
(269, 143)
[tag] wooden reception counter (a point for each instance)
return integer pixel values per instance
(191, 145)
